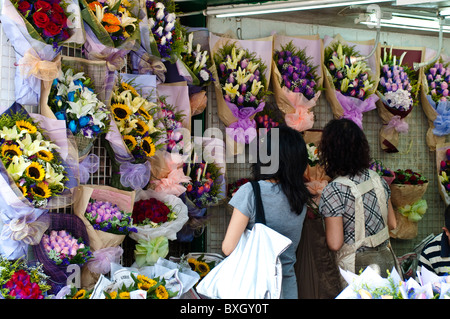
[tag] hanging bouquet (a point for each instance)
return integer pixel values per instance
(133, 115)
(63, 249)
(233, 187)
(443, 167)
(350, 82)
(268, 118)
(436, 101)
(383, 171)
(172, 122)
(73, 100)
(295, 84)
(243, 87)
(114, 22)
(152, 212)
(165, 29)
(398, 89)
(31, 159)
(407, 190)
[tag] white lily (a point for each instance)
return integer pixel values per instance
(126, 20)
(242, 76)
(45, 143)
(256, 86)
(136, 103)
(17, 167)
(100, 12)
(29, 146)
(81, 107)
(52, 176)
(11, 133)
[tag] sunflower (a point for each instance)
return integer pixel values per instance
(42, 190)
(141, 127)
(121, 111)
(145, 282)
(80, 294)
(111, 19)
(112, 28)
(23, 189)
(113, 294)
(148, 146)
(192, 263)
(142, 112)
(35, 171)
(127, 86)
(124, 295)
(45, 155)
(26, 126)
(130, 141)
(161, 292)
(202, 268)
(11, 150)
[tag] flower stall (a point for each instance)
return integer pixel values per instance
(126, 126)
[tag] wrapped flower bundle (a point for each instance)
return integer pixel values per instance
(21, 281)
(31, 159)
(198, 62)
(349, 81)
(114, 22)
(133, 115)
(172, 122)
(443, 161)
(233, 187)
(407, 190)
(383, 171)
(436, 101)
(269, 117)
(152, 212)
(202, 265)
(148, 252)
(63, 249)
(397, 89)
(107, 217)
(243, 85)
(165, 29)
(73, 100)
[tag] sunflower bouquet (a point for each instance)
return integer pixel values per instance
(73, 100)
(30, 159)
(133, 115)
(201, 264)
(350, 83)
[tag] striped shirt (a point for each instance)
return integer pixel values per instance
(436, 255)
(337, 200)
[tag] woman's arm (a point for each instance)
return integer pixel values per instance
(392, 221)
(334, 230)
(236, 227)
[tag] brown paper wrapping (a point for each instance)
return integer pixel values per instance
(99, 239)
(441, 156)
(330, 91)
(401, 195)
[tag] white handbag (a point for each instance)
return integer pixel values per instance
(253, 270)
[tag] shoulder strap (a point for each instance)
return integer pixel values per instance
(260, 216)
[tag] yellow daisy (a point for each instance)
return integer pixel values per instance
(11, 150)
(42, 190)
(148, 146)
(121, 111)
(45, 155)
(130, 141)
(161, 292)
(35, 171)
(26, 126)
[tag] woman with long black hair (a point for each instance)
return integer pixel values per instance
(284, 196)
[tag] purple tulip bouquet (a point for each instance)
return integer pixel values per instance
(436, 88)
(243, 85)
(351, 85)
(295, 85)
(397, 90)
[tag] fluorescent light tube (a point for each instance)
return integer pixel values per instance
(278, 7)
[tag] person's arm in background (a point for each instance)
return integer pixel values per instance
(334, 230)
(236, 227)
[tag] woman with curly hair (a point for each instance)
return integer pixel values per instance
(356, 204)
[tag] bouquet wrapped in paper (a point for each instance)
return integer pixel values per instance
(73, 100)
(37, 30)
(435, 100)
(443, 171)
(134, 135)
(242, 73)
(407, 190)
(387, 174)
(22, 280)
(174, 125)
(64, 244)
(106, 213)
(350, 82)
(398, 91)
(197, 64)
(296, 69)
